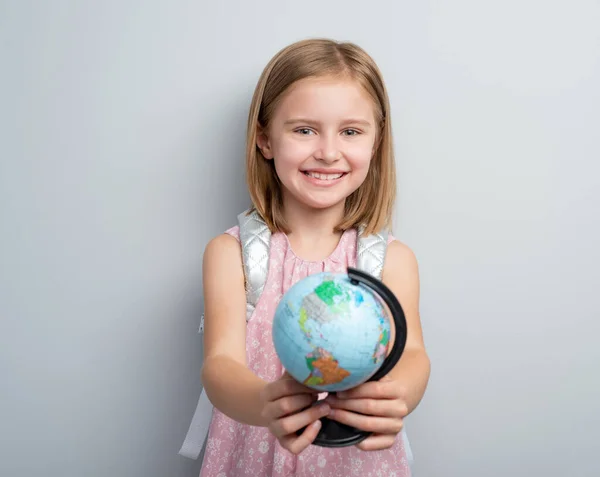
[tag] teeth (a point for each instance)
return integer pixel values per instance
(324, 177)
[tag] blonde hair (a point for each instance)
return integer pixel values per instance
(371, 205)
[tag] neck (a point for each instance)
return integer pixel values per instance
(312, 223)
(312, 231)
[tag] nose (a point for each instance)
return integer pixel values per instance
(328, 150)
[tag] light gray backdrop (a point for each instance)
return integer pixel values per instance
(121, 143)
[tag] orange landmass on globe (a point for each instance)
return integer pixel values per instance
(325, 370)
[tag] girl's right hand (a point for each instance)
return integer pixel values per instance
(288, 407)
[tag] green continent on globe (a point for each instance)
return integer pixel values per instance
(382, 344)
(327, 302)
(328, 290)
(302, 321)
(324, 368)
(384, 338)
(333, 295)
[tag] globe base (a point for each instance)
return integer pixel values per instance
(336, 434)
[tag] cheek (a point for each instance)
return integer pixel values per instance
(359, 155)
(289, 152)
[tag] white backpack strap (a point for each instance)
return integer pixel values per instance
(370, 252)
(198, 430)
(370, 257)
(255, 239)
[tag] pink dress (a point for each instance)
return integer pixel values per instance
(235, 449)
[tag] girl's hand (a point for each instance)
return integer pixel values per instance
(288, 407)
(376, 406)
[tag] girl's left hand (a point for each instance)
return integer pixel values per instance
(375, 406)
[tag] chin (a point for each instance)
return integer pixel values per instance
(319, 200)
(322, 204)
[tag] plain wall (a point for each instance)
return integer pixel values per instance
(122, 129)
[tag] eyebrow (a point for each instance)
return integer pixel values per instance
(292, 121)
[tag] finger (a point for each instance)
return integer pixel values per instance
(288, 405)
(285, 386)
(291, 424)
(297, 444)
(380, 425)
(370, 407)
(377, 442)
(385, 389)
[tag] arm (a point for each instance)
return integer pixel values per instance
(401, 275)
(284, 406)
(230, 385)
(380, 406)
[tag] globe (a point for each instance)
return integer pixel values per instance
(331, 334)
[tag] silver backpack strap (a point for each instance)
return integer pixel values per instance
(255, 239)
(370, 252)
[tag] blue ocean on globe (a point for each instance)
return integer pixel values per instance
(329, 333)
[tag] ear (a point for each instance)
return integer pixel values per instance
(263, 143)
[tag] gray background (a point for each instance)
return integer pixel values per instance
(121, 144)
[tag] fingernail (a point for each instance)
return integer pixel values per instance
(331, 412)
(316, 424)
(325, 409)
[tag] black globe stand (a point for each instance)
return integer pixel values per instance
(335, 434)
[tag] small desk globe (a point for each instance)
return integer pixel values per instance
(330, 334)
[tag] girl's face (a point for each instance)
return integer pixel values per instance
(321, 138)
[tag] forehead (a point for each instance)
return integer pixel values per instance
(326, 99)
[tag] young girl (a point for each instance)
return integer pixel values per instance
(321, 174)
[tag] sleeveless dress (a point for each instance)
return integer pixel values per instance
(234, 449)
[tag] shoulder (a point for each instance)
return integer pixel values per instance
(228, 241)
(400, 260)
(223, 254)
(401, 275)
(234, 232)
(223, 242)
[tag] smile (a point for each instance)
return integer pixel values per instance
(324, 177)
